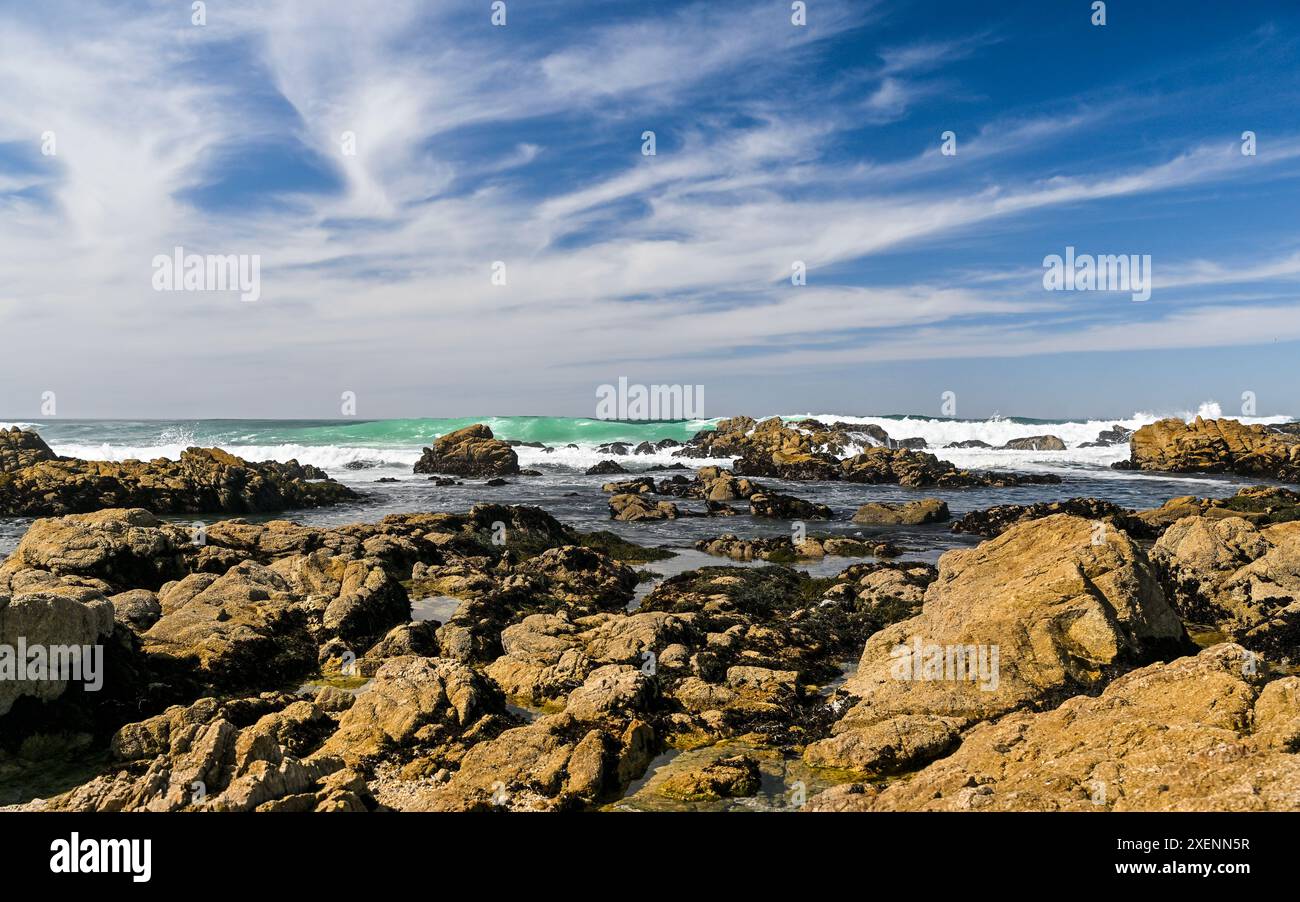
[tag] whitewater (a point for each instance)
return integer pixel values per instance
(381, 447)
(376, 457)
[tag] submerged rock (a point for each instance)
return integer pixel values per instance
(1035, 443)
(722, 778)
(910, 513)
(1115, 435)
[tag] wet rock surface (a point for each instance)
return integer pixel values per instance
(277, 667)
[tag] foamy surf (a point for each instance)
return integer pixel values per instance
(574, 443)
(327, 457)
(997, 431)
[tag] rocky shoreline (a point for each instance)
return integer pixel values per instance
(35, 482)
(1083, 656)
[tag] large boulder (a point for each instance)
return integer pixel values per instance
(256, 624)
(1049, 609)
(1201, 733)
(578, 579)
(548, 656)
(557, 762)
(472, 451)
(783, 549)
(1215, 446)
(587, 752)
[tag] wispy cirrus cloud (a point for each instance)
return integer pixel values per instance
(522, 144)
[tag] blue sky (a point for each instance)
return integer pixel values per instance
(522, 144)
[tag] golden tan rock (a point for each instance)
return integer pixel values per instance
(1215, 446)
(1049, 609)
(1196, 734)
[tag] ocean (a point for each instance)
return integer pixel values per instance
(360, 453)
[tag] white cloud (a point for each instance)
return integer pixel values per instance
(387, 283)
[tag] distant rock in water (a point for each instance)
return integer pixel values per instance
(604, 468)
(968, 443)
(745, 437)
(637, 486)
(35, 482)
(808, 451)
(472, 451)
(879, 466)
(1214, 446)
(1115, 435)
(1035, 443)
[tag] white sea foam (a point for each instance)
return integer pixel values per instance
(937, 433)
(998, 431)
(585, 455)
(327, 457)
